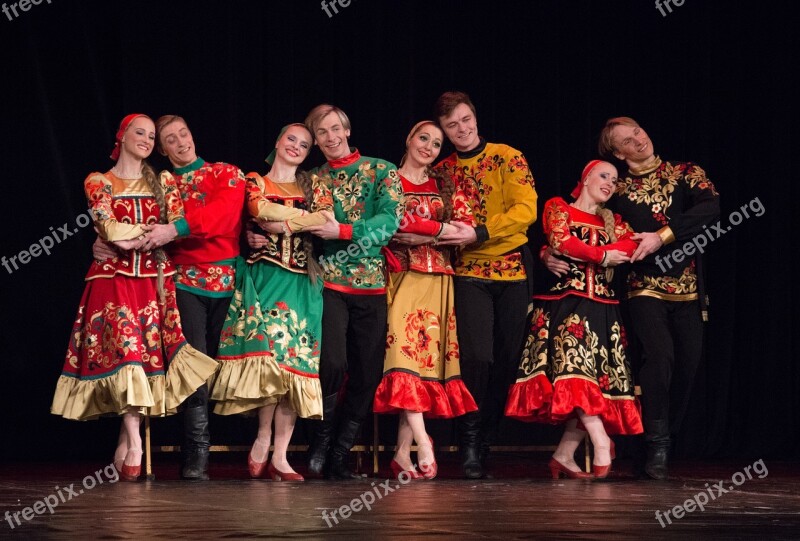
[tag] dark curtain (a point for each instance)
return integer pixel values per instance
(712, 82)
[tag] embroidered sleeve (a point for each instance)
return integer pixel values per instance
(223, 208)
(702, 209)
(172, 198)
(387, 195)
(99, 194)
(556, 228)
(519, 198)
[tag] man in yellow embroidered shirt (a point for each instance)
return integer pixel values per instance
(491, 283)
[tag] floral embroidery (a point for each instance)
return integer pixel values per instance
(207, 276)
(507, 266)
(685, 284)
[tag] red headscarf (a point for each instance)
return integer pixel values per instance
(121, 132)
(586, 170)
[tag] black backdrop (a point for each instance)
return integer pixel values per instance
(711, 82)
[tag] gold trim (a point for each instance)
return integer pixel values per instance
(666, 234)
(662, 296)
(645, 170)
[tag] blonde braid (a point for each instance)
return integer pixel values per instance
(153, 183)
(314, 270)
(608, 225)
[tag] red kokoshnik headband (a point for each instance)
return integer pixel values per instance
(586, 170)
(121, 132)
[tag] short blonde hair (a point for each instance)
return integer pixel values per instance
(605, 145)
(319, 112)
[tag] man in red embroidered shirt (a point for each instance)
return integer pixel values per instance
(204, 257)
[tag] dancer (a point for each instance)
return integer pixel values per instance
(491, 282)
(573, 364)
(127, 355)
(270, 344)
(366, 194)
(421, 369)
(666, 202)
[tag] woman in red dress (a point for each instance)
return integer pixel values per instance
(127, 355)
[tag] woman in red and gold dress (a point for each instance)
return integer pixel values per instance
(573, 366)
(127, 355)
(422, 376)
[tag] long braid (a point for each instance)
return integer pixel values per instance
(608, 225)
(446, 187)
(307, 186)
(153, 183)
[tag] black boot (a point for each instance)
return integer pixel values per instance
(318, 452)
(197, 437)
(469, 433)
(345, 438)
(657, 437)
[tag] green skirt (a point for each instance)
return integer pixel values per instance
(270, 343)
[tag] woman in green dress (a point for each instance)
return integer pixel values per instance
(270, 343)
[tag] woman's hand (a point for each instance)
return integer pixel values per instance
(413, 239)
(615, 257)
(275, 228)
(461, 234)
(132, 244)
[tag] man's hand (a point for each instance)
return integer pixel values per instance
(158, 235)
(648, 243)
(461, 235)
(255, 241)
(329, 230)
(102, 250)
(557, 266)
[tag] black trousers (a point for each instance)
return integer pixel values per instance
(670, 335)
(202, 319)
(353, 344)
(492, 320)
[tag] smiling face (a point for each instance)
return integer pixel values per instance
(139, 138)
(177, 143)
(461, 127)
(631, 143)
(424, 145)
(294, 145)
(331, 136)
(599, 185)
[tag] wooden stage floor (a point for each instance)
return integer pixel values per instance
(519, 501)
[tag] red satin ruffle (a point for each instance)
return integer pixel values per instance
(537, 400)
(400, 391)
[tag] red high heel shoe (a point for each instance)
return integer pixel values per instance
(557, 469)
(430, 471)
(397, 471)
(278, 475)
(256, 469)
(601, 472)
(131, 473)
